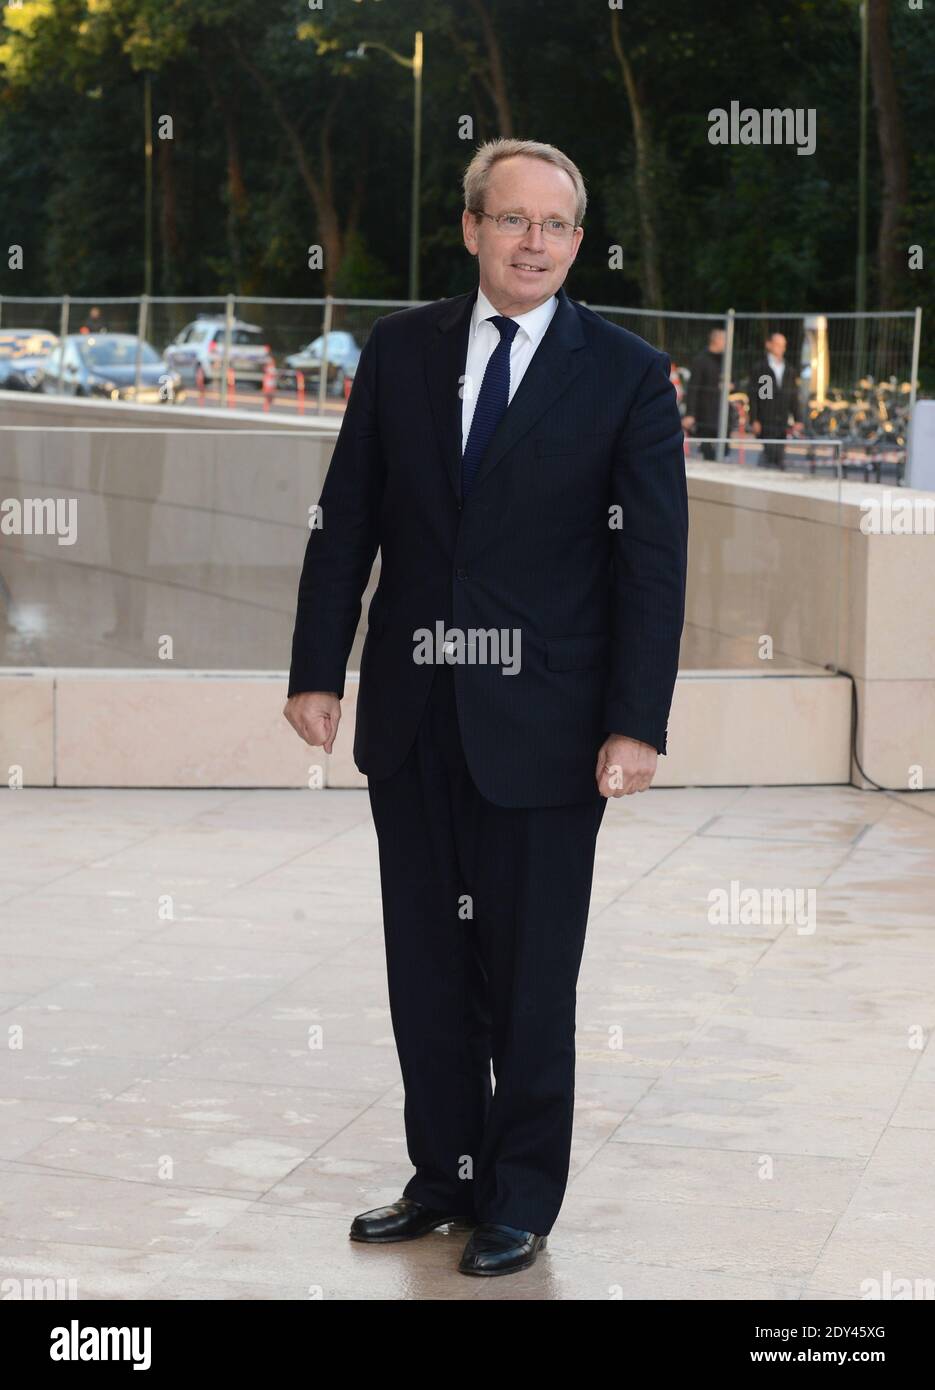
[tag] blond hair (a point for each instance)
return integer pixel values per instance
(478, 171)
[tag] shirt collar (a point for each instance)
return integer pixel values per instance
(534, 323)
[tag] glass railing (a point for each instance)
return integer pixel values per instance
(765, 590)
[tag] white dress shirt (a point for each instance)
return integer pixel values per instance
(778, 365)
(483, 337)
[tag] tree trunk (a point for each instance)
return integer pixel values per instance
(651, 276)
(236, 193)
(320, 191)
(495, 80)
(236, 187)
(891, 253)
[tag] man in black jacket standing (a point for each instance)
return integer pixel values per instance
(774, 399)
(518, 461)
(703, 397)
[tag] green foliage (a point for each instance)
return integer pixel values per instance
(282, 140)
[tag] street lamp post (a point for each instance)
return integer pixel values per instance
(861, 286)
(148, 183)
(416, 165)
(415, 64)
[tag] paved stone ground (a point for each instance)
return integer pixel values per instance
(755, 1099)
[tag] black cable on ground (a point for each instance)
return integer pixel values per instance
(855, 717)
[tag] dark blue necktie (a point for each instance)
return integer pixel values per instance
(492, 401)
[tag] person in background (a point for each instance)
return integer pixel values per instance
(703, 398)
(774, 398)
(94, 323)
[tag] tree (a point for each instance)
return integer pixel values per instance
(645, 168)
(891, 249)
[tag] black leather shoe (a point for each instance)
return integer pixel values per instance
(496, 1249)
(403, 1220)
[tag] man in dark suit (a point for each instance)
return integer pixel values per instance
(774, 400)
(703, 397)
(518, 461)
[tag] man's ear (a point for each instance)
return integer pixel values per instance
(469, 231)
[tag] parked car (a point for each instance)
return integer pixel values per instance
(343, 356)
(104, 364)
(201, 344)
(23, 352)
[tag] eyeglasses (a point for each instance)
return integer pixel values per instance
(513, 224)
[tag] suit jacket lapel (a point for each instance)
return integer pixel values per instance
(555, 365)
(445, 356)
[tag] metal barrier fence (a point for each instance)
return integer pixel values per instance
(856, 375)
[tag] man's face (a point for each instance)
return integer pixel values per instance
(717, 340)
(776, 345)
(518, 272)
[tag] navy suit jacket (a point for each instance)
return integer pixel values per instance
(573, 535)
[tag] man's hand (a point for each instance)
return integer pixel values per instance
(688, 422)
(756, 427)
(625, 765)
(315, 716)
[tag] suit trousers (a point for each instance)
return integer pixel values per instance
(484, 914)
(772, 456)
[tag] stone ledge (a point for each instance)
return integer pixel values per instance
(129, 728)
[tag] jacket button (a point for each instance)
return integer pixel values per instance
(461, 574)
